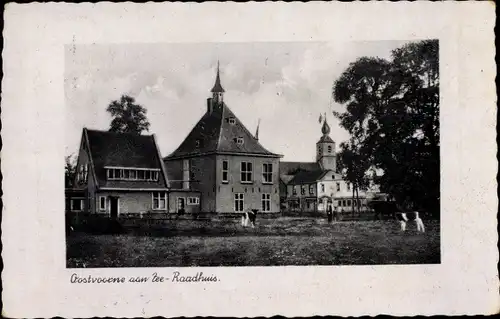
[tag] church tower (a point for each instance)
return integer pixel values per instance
(325, 150)
(218, 90)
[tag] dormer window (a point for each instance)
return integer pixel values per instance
(239, 140)
(231, 120)
(132, 174)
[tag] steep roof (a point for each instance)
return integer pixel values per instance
(216, 133)
(124, 150)
(305, 177)
(325, 138)
(217, 85)
(290, 168)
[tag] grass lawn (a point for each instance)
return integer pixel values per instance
(274, 242)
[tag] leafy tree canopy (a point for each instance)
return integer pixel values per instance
(69, 171)
(392, 115)
(128, 117)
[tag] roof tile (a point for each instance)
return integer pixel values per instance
(123, 150)
(215, 132)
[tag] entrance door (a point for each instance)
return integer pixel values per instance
(181, 205)
(113, 207)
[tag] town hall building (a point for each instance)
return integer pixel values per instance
(225, 163)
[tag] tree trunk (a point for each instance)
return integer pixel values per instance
(357, 201)
(352, 203)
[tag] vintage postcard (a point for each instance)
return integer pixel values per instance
(226, 160)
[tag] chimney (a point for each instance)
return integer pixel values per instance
(210, 107)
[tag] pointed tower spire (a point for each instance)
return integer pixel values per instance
(217, 86)
(217, 90)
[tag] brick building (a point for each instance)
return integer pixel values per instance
(120, 174)
(225, 163)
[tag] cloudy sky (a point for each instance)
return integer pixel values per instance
(287, 85)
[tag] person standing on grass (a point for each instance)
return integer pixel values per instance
(329, 213)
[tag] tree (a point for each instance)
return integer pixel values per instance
(353, 165)
(392, 112)
(69, 171)
(128, 117)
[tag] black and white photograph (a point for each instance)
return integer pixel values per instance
(252, 154)
(251, 159)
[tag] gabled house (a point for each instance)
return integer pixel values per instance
(120, 174)
(312, 186)
(226, 163)
(287, 172)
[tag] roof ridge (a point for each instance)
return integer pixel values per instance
(86, 141)
(118, 133)
(220, 125)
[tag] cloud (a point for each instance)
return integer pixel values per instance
(286, 85)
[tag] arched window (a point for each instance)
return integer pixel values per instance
(329, 148)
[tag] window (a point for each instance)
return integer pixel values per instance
(114, 173)
(238, 202)
(185, 173)
(133, 174)
(311, 189)
(225, 171)
(193, 201)
(85, 172)
(294, 191)
(81, 173)
(239, 140)
(159, 200)
(102, 202)
(348, 186)
(76, 204)
(197, 143)
(343, 203)
(231, 120)
(338, 187)
(266, 202)
(322, 188)
(302, 190)
(329, 148)
(141, 175)
(246, 172)
(267, 173)
(348, 202)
